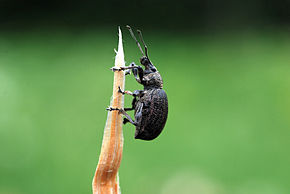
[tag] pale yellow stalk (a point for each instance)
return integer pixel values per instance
(106, 179)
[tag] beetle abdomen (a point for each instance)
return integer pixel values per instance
(154, 114)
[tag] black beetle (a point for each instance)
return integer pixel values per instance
(150, 104)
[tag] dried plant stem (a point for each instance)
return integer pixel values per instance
(106, 176)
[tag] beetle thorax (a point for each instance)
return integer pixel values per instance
(152, 80)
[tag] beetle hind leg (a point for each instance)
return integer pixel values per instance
(125, 121)
(128, 118)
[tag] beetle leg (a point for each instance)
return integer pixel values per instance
(138, 115)
(111, 108)
(133, 105)
(125, 92)
(137, 71)
(128, 109)
(125, 68)
(138, 93)
(127, 72)
(135, 93)
(122, 111)
(115, 69)
(128, 118)
(125, 121)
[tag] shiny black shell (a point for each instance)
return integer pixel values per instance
(154, 106)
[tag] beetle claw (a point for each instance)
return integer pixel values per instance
(120, 91)
(115, 69)
(125, 69)
(110, 108)
(122, 111)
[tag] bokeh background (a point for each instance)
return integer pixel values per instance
(226, 70)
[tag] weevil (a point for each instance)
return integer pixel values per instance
(151, 103)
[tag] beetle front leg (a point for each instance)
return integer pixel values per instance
(132, 66)
(137, 71)
(127, 71)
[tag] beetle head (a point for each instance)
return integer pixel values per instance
(147, 64)
(144, 61)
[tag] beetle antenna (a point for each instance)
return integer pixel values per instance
(142, 40)
(133, 36)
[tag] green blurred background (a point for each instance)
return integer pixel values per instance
(226, 70)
